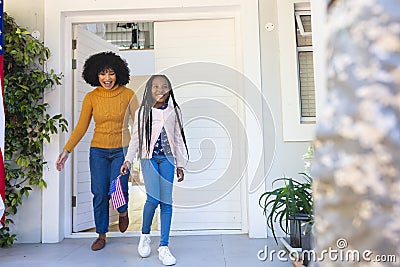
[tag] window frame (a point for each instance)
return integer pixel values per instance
(294, 127)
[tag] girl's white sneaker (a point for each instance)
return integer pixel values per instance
(165, 256)
(144, 248)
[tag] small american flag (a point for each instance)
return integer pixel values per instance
(116, 194)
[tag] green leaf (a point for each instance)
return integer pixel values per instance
(28, 123)
(286, 201)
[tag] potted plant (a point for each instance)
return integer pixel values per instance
(291, 206)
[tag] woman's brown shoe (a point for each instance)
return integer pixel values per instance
(123, 222)
(98, 244)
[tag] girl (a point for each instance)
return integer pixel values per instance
(158, 138)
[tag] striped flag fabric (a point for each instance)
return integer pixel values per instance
(2, 116)
(116, 193)
(2, 180)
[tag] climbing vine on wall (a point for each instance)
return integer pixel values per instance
(28, 126)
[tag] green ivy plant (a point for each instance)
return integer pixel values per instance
(28, 126)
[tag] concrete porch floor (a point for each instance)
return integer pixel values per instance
(194, 251)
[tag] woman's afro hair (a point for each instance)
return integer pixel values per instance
(102, 61)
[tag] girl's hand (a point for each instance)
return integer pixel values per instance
(62, 158)
(180, 174)
(125, 168)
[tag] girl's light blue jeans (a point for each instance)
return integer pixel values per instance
(105, 164)
(158, 174)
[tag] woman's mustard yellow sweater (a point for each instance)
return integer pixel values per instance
(110, 109)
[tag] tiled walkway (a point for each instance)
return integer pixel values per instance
(190, 251)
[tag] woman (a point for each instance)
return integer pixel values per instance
(158, 138)
(110, 105)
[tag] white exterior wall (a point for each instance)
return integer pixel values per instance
(288, 156)
(54, 223)
(29, 14)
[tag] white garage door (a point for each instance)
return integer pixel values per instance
(205, 200)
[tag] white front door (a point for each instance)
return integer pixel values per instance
(204, 201)
(87, 44)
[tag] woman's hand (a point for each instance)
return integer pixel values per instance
(62, 158)
(180, 174)
(125, 168)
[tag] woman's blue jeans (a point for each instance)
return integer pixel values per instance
(158, 174)
(105, 164)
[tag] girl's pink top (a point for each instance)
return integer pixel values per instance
(161, 118)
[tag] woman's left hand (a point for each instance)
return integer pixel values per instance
(180, 174)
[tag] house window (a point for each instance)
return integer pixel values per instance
(305, 64)
(297, 70)
(132, 35)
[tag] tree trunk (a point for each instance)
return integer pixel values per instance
(357, 151)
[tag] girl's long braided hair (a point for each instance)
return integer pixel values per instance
(145, 115)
